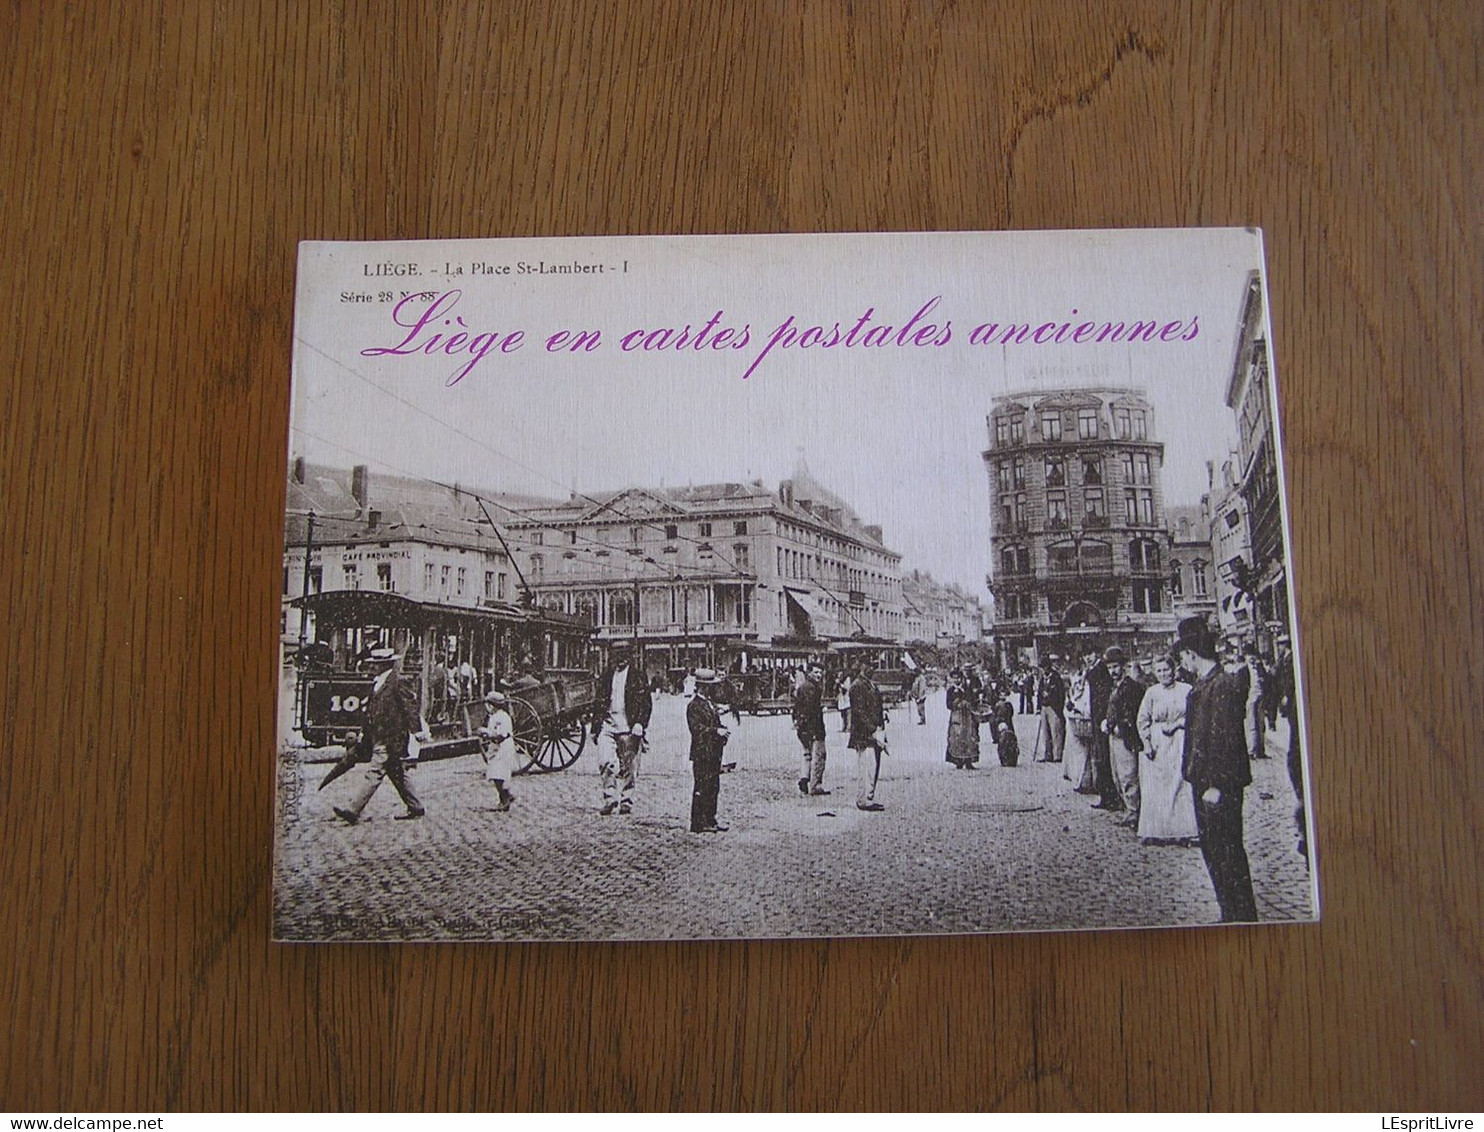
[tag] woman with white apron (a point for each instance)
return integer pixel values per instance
(498, 734)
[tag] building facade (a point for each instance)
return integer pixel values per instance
(1078, 529)
(1249, 394)
(713, 574)
(938, 614)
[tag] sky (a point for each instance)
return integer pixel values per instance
(898, 431)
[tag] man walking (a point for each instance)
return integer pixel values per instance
(1053, 703)
(707, 738)
(391, 716)
(808, 714)
(1216, 765)
(867, 737)
(621, 714)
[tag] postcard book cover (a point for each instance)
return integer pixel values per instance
(704, 587)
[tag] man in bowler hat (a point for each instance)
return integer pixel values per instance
(1216, 765)
(391, 717)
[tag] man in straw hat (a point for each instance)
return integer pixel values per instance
(1215, 764)
(391, 716)
(707, 739)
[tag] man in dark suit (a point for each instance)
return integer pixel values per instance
(1053, 704)
(620, 714)
(1215, 763)
(808, 714)
(391, 716)
(867, 737)
(707, 739)
(1100, 680)
(1124, 743)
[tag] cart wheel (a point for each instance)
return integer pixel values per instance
(561, 744)
(526, 723)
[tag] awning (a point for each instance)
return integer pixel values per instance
(805, 601)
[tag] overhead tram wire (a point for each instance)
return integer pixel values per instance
(692, 573)
(638, 520)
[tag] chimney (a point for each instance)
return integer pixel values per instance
(373, 519)
(298, 473)
(358, 476)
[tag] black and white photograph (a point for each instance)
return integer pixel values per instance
(655, 588)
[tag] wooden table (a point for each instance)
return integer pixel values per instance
(158, 164)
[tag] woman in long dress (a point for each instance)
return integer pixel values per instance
(1166, 808)
(1077, 767)
(963, 724)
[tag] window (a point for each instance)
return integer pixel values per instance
(1177, 585)
(1092, 469)
(1056, 511)
(1096, 558)
(1127, 460)
(1140, 424)
(427, 575)
(705, 530)
(739, 527)
(1095, 509)
(1007, 559)
(672, 531)
(1146, 508)
(1087, 424)
(1120, 424)
(1131, 507)
(705, 555)
(500, 581)
(1198, 577)
(739, 555)
(571, 538)
(1056, 471)
(1005, 471)
(633, 534)
(537, 568)
(620, 608)
(1062, 558)
(489, 583)
(384, 576)
(1147, 597)
(1022, 522)
(316, 579)
(537, 537)
(1019, 474)
(1007, 511)
(463, 576)
(1001, 432)
(1142, 470)
(352, 578)
(1143, 557)
(1233, 519)
(1051, 426)
(1017, 429)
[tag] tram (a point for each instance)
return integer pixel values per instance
(452, 655)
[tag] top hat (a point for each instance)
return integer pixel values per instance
(1194, 633)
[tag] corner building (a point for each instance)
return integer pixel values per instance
(1078, 529)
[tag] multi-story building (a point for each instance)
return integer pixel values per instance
(1231, 553)
(1249, 395)
(938, 614)
(1193, 581)
(711, 573)
(1078, 528)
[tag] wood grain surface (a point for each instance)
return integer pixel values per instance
(158, 165)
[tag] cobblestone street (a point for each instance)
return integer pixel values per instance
(990, 849)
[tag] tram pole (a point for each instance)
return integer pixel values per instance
(303, 607)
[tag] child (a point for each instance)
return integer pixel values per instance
(499, 747)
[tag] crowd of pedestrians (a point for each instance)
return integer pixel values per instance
(1165, 746)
